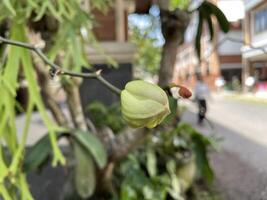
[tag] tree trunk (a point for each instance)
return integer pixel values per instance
(173, 25)
(167, 63)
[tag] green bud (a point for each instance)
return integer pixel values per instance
(144, 104)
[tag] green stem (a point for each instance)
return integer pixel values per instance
(17, 158)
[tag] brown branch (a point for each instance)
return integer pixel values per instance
(125, 142)
(56, 69)
(74, 104)
(52, 105)
(43, 78)
(119, 146)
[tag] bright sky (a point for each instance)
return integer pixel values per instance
(233, 9)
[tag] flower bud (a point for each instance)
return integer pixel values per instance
(144, 104)
(184, 92)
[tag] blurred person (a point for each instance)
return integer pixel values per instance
(202, 93)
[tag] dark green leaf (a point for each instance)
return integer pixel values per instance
(221, 18)
(93, 146)
(173, 109)
(37, 154)
(85, 179)
(199, 33)
(203, 166)
(9, 6)
(210, 26)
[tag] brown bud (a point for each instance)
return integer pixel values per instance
(184, 92)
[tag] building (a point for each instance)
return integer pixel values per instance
(254, 51)
(113, 46)
(220, 58)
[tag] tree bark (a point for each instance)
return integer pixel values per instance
(125, 142)
(75, 106)
(168, 60)
(173, 25)
(43, 79)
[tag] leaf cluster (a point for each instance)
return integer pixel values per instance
(166, 166)
(102, 115)
(89, 154)
(206, 12)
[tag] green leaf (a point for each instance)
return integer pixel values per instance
(84, 171)
(93, 146)
(199, 33)
(221, 18)
(173, 109)
(151, 163)
(9, 6)
(203, 166)
(37, 154)
(200, 144)
(210, 26)
(182, 4)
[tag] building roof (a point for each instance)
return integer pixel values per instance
(249, 4)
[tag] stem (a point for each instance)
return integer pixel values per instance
(95, 75)
(57, 70)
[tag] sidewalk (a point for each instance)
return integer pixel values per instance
(241, 165)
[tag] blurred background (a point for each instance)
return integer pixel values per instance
(223, 156)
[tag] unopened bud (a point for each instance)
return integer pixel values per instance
(144, 104)
(184, 92)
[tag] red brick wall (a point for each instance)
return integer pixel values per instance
(230, 59)
(104, 30)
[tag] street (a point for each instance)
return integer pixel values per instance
(241, 164)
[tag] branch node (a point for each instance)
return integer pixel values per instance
(54, 72)
(98, 72)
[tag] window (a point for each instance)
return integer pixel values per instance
(260, 21)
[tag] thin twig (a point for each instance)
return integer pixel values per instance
(57, 70)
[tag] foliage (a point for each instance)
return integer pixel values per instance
(148, 53)
(182, 4)
(62, 22)
(206, 11)
(92, 145)
(89, 155)
(167, 165)
(84, 172)
(102, 115)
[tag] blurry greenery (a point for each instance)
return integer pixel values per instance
(182, 4)
(166, 167)
(90, 155)
(207, 11)
(148, 53)
(66, 27)
(109, 116)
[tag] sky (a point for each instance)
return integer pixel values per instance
(233, 9)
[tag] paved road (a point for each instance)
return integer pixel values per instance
(241, 166)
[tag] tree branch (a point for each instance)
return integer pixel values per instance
(74, 104)
(56, 69)
(125, 142)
